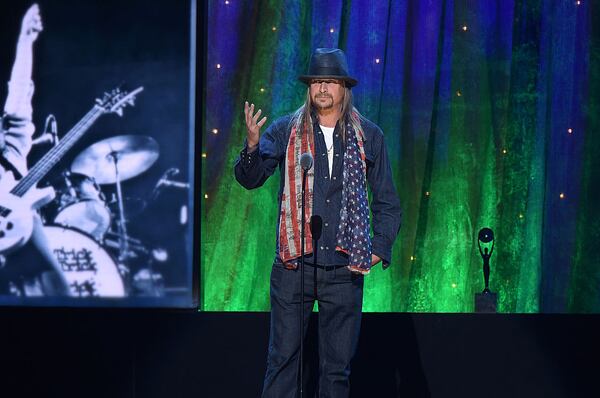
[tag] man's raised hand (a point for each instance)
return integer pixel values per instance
(32, 24)
(253, 125)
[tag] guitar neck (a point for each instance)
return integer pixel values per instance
(44, 165)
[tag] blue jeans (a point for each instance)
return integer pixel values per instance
(339, 293)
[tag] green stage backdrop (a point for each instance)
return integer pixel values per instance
(490, 115)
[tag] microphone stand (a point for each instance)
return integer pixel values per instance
(306, 161)
(304, 174)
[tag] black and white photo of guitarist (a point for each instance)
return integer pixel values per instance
(32, 270)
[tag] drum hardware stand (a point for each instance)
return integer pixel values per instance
(134, 245)
(122, 233)
(139, 153)
(129, 155)
(306, 162)
(152, 280)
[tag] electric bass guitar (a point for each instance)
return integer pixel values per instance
(20, 199)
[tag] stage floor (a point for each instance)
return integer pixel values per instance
(159, 353)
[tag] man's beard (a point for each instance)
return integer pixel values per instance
(321, 105)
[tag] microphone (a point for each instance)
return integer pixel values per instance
(43, 139)
(174, 184)
(53, 124)
(164, 181)
(306, 161)
(50, 135)
(316, 226)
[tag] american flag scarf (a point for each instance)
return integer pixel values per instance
(353, 236)
(353, 232)
(290, 215)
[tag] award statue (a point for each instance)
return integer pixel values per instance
(486, 301)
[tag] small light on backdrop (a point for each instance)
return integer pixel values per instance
(458, 93)
(562, 195)
(331, 30)
(205, 196)
(454, 285)
(464, 28)
(427, 193)
(226, 2)
(262, 89)
(521, 216)
(376, 60)
(274, 28)
(504, 151)
(218, 66)
(570, 130)
(578, 2)
(413, 258)
(215, 131)
(204, 155)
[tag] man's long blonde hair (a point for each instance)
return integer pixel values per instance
(302, 118)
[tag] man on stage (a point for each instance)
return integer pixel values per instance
(349, 153)
(33, 269)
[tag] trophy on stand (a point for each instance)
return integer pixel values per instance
(486, 301)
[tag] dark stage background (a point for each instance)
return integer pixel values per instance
(153, 353)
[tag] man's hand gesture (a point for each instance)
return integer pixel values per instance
(253, 125)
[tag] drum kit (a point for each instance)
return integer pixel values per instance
(88, 233)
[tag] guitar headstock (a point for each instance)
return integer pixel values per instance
(117, 99)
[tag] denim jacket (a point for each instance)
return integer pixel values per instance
(253, 168)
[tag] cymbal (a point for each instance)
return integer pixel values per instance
(134, 153)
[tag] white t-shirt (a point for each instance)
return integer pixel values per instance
(328, 135)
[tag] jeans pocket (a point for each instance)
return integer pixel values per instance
(285, 284)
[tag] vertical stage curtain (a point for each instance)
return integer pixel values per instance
(490, 115)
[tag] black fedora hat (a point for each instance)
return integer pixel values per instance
(328, 63)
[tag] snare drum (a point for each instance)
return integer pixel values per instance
(81, 205)
(87, 267)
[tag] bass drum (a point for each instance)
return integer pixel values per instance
(88, 268)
